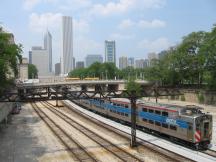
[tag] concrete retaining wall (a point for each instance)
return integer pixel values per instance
(5, 109)
(197, 96)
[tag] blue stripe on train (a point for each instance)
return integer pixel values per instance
(149, 116)
(163, 119)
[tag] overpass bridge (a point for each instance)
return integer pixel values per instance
(86, 90)
(24, 92)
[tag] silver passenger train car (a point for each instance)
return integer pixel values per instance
(185, 124)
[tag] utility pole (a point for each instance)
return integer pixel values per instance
(133, 99)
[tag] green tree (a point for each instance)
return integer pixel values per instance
(109, 70)
(133, 88)
(32, 71)
(10, 56)
(209, 51)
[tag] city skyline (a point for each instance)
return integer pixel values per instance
(138, 26)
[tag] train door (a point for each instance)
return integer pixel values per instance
(190, 131)
(206, 129)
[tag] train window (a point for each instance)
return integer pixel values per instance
(157, 123)
(164, 125)
(157, 112)
(126, 114)
(144, 109)
(173, 127)
(164, 113)
(144, 119)
(151, 121)
(126, 106)
(151, 111)
(122, 114)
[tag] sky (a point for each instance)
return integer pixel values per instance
(138, 26)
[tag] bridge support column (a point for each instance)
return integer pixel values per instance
(57, 103)
(133, 121)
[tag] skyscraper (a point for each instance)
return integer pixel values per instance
(123, 62)
(41, 57)
(48, 47)
(67, 47)
(131, 61)
(110, 51)
(90, 59)
(79, 64)
(57, 69)
(40, 60)
(30, 57)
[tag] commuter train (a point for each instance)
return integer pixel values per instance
(187, 125)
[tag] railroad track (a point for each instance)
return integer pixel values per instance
(146, 144)
(210, 152)
(78, 153)
(117, 151)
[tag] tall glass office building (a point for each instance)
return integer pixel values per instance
(110, 51)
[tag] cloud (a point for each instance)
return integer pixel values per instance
(151, 24)
(74, 4)
(142, 24)
(126, 24)
(84, 46)
(123, 6)
(29, 4)
(81, 26)
(117, 36)
(52, 21)
(154, 45)
(39, 23)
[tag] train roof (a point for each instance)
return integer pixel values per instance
(189, 110)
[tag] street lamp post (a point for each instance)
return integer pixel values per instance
(106, 74)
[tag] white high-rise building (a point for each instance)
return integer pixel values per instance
(67, 46)
(41, 57)
(123, 62)
(48, 48)
(40, 60)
